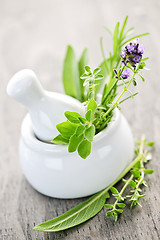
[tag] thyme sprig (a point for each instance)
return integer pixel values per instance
(135, 181)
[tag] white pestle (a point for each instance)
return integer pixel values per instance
(46, 108)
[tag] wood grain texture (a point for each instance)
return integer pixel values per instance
(34, 34)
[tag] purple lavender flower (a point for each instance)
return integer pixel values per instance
(131, 47)
(136, 59)
(125, 74)
(123, 54)
(140, 49)
(135, 41)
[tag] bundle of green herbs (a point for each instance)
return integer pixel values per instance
(121, 68)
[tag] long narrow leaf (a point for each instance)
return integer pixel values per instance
(71, 81)
(115, 38)
(75, 216)
(123, 27)
(138, 36)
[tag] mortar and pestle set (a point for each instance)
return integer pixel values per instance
(50, 168)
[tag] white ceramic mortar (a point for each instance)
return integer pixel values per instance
(51, 170)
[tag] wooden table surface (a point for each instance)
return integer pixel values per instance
(34, 34)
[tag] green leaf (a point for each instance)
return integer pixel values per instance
(115, 216)
(71, 81)
(137, 36)
(88, 115)
(136, 173)
(108, 206)
(149, 171)
(96, 71)
(92, 105)
(134, 82)
(66, 129)
(83, 120)
(149, 144)
(119, 210)
(88, 69)
(123, 27)
(121, 205)
(75, 216)
(74, 142)
(132, 184)
(72, 116)
(142, 77)
(142, 65)
(114, 190)
(115, 38)
(84, 149)
(60, 140)
(99, 77)
(90, 132)
(82, 62)
(80, 130)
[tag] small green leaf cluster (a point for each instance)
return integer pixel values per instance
(91, 80)
(135, 181)
(78, 132)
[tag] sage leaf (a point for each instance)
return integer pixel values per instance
(89, 133)
(75, 216)
(60, 140)
(72, 116)
(84, 148)
(74, 142)
(66, 129)
(71, 81)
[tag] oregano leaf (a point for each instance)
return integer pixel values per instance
(80, 130)
(88, 115)
(72, 116)
(60, 140)
(84, 149)
(89, 133)
(74, 142)
(66, 129)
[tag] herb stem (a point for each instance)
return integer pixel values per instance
(124, 90)
(122, 190)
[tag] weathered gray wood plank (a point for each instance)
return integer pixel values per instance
(34, 34)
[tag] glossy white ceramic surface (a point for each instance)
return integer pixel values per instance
(46, 108)
(53, 171)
